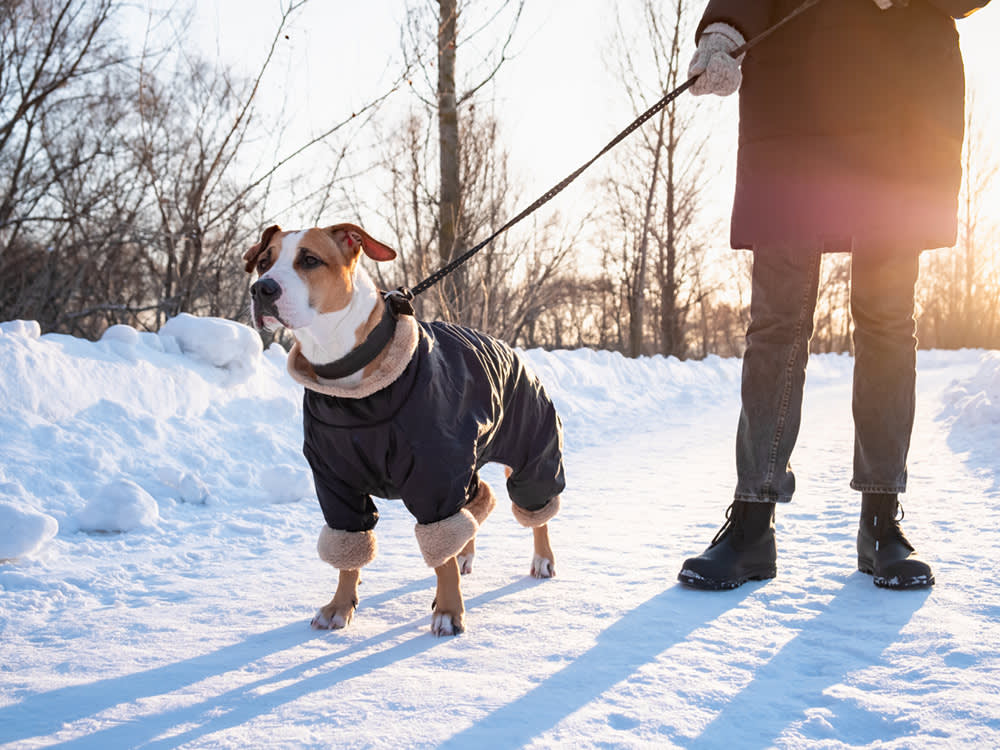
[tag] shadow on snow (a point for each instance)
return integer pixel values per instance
(849, 633)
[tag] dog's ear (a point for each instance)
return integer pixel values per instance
(250, 256)
(373, 248)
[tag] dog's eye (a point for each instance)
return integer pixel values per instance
(263, 263)
(308, 261)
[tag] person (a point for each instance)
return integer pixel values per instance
(850, 138)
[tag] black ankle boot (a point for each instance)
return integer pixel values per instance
(883, 552)
(743, 550)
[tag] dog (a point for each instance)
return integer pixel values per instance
(402, 409)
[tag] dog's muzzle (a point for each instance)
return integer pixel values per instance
(264, 295)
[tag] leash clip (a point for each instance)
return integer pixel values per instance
(400, 301)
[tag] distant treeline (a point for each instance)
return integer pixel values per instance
(133, 177)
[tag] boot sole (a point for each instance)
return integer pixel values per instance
(693, 580)
(894, 583)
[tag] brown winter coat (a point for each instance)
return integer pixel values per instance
(851, 125)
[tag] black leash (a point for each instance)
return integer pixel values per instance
(401, 298)
(400, 301)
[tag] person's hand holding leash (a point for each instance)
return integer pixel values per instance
(719, 72)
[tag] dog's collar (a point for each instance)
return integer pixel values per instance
(367, 350)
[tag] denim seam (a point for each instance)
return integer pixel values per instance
(762, 497)
(779, 428)
(882, 489)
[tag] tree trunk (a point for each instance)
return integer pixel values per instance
(636, 302)
(450, 192)
(671, 338)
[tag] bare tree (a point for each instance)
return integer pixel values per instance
(447, 111)
(959, 288)
(518, 276)
(719, 318)
(187, 147)
(47, 50)
(451, 106)
(832, 318)
(655, 190)
(59, 67)
(975, 293)
(127, 185)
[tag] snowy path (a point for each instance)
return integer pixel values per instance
(200, 638)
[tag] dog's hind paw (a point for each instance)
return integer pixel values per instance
(466, 556)
(443, 623)
(542, 567)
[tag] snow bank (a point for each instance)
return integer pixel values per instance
(971, 412)
(126, 433)
(221, 343)
(23, 532)
(286, 483)
(600, 394)
(106, 436)
(119, 435)
(120, 506)
(25, 328)
(974, 404)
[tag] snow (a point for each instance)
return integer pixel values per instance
(158, 528)
(120, 506)
(975, 403)
(22, 532)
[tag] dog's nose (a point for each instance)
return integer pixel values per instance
(265, 290)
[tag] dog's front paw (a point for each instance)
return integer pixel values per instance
(445, 623)
(333, 618)
(542, 567)
(336, 622)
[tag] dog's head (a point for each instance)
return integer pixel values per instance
(306, 273)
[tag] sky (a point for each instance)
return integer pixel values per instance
(158, 568)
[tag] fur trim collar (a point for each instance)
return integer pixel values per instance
(383, 371)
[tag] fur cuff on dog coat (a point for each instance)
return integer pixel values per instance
(539, 517)
(346, 550)
(444, 539)
(483, 503)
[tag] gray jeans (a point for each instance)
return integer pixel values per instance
(782, 304)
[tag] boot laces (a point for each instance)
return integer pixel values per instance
(721, 533)
(890, 531)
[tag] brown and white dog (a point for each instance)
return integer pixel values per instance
(312, 283)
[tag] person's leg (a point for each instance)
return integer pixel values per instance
(885, 348)
(783, 300)
(885, 360)
(782, 303)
